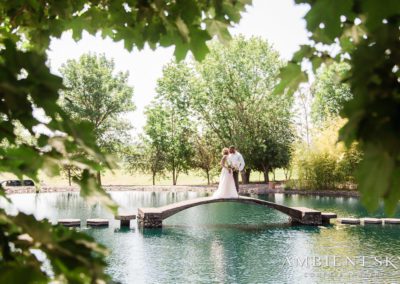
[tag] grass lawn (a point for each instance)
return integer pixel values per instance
(121, 177)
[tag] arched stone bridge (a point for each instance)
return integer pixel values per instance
(153, 217)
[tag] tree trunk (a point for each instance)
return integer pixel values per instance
(248, 172)
(245, 176)
(266, 176)
(69, 177)
(287, 173)
(99, 177)
(208, 177)
(273, 175)
(154, 179)
(173, 176)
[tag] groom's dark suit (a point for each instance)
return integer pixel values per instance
(236, 159)
(236, 179)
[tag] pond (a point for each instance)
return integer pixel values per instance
(233, 242)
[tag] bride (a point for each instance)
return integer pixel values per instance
(226, 187)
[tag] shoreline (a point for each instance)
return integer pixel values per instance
(244, 189)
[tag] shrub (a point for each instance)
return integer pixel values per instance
(325, 164)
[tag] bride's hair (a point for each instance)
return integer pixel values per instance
(225, 151)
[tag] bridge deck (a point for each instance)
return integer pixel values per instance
(152, 217)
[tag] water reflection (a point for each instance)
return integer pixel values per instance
(226, 242)
(217, 257)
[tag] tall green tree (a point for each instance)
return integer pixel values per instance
(329, 92)
(275, 148)
(97, 94)
(70, 171)
(170, 132)
(302, 113)
(173, 90)
(207, 153)
(233, 97)
(25, 33)
(148, 157)
(364, 34)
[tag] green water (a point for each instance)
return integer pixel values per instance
(233, 243)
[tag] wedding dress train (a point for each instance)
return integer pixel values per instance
(226, 187)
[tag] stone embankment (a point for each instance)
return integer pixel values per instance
(244, 189)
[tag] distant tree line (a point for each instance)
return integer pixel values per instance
(227, 99)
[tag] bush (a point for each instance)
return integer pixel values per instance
(325, 164)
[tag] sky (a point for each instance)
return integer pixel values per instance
(277, 21)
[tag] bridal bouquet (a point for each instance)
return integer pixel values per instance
(232, 167)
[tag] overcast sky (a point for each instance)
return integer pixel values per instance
(278, 21)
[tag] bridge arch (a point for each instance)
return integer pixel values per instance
(168, 211)
(153, 217)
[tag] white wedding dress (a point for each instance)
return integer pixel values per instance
(226, 187)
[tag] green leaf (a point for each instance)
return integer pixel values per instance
(218, 28)
(377, 11)
(16, 273)
(183, 29)
(305, 51)
(328, 12)
(347, 44)
(392, 196)
(92, 192)
(291, 77)
(198, 43)
(316, 63)
(374, 176)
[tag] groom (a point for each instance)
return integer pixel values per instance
(236, 160)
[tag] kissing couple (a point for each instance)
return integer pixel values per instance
(232, 163)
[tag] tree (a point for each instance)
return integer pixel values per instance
(206, 153)
(173, 90)
(70, 171)
(275, 148)
(233, 97)
(154, 159)
(26, 83)
(170, 132)
(302, 112)
(96, 95)
(146, 157)
(365, 35)
(329, 92)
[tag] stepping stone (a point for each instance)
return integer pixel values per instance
(391, 221)
(125, 218)
(327, 216)
(97, 222)
(69, 222)
(371, 221)
(351, 221)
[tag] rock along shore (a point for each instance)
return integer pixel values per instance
(244, 189)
